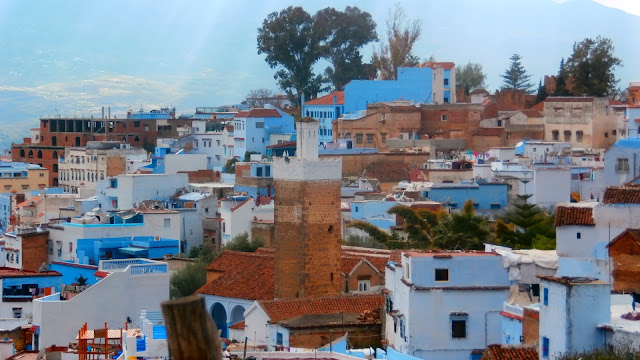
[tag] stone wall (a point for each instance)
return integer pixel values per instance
(530, 326)
(35, 251)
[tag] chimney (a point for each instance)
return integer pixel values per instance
(103, 112)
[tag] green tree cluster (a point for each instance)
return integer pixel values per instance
(526, 226)
(294, 41)
(470, 77)
(516, 77)
(591, 67)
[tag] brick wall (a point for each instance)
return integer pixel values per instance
(359, 336)
(530, 326)
(307, 238)
(264, 231)
(625, 259)
(35, 251)
(364, 272)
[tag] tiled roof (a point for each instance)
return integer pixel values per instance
(497, 131)
(35, 199)
(621, 195)
(574, 215)
(506, 352)
(6, 272)
(568, 99)
(283, 309)
(263, 113)
(251, 275)
(286, 144)
(328, 99)
(537, 107)
(241, 114)
(634, 233)
(244, 276)
(238, 326)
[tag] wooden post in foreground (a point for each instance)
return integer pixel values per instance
(191, 332)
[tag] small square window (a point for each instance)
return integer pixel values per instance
(443, 117)
(459, 329)
(364, 285)
(442, 274)
(167, 223)
(578, 235)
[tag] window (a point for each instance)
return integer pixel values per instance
(369, 138)
(545, 296)
(70, 247)
(446, 99)
(358, 138)
(606, 134)
(41, 175)
(613, 132)
(622, 165)
(555, 135)
(442, 274)
(402, 332)
(446, 81)
(567, 135)
(167, 223)
(545, 347)
(25, 187)
(17, 312)
(384, 137)
(443, 117)
(364, 285)
(578, 235)
(458, 326)
(579, 135)
(7, 187)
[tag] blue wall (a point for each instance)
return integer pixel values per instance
(96, 249)
(483, 194)
(511, 331)
(5, 211)
(41, 281)
(374, 212)
(463, 270)
(70, 272)
(414, 84)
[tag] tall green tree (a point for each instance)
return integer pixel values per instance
(591, 67)
(291, 45)
(526, 226)
(561, 81)
(516, 77)
(470, 77)
(402, 34)
(343, 34)
(542, 92)
(463, 230)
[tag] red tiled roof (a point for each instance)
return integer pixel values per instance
(488, 131)
(433, 65)
(283, 309)
(6, 272)
(244, 276)
(568, 99)
(241, 114)
(634, 233)
(537, 107)
(532, 113)
(251, 275)
(447, 253)
(328, 99)
(237, 326)
(621, 195)
(263, 113)
(574, 215)
(286, 144)
(35, 199)
(510, 352)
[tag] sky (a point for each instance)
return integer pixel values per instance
(72, 57)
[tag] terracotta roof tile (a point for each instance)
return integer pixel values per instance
(537, 107)
(433, 65)
(251, 275)
(634, 233)
(283, 309)
(621, 195)
(245, 276)
(241, 114)
(237, 326)
(507, 352)
(532, 113)
(328, 99)
(574, 215)
(263, 113)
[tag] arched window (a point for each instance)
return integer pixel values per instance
(39, 154)
(30, 153)
(21, 152)
(136, 138)
(55, 154)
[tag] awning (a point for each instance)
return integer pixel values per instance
(132, 250)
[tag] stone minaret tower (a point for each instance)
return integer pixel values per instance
(307, 219)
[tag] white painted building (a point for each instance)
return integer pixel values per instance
(173, 163)
(132, 286)
(437, 307)
(127, 191)
(253, 129)
(83, 167)
(540, 151)
(237, 216)
(215, 139)
(572, 307)
(551, 185)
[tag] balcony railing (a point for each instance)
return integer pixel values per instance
(148, 269)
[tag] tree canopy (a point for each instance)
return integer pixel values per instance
(591, 67)
(561, 81)
(402, 34)
(294, 41)
(342, 35)
(516, 77)
(470, 77)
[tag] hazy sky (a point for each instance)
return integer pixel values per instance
(77, 55)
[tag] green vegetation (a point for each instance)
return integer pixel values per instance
(470, 77)
(591, 67)
(230, 166)
(516, 77)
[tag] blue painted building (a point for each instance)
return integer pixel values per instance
(325, 109)
(5, 211)
(91, 251)
(622, 161)
(485, 196)
(256, 181)
(71, 272)
(374, 212)
(253, 129)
